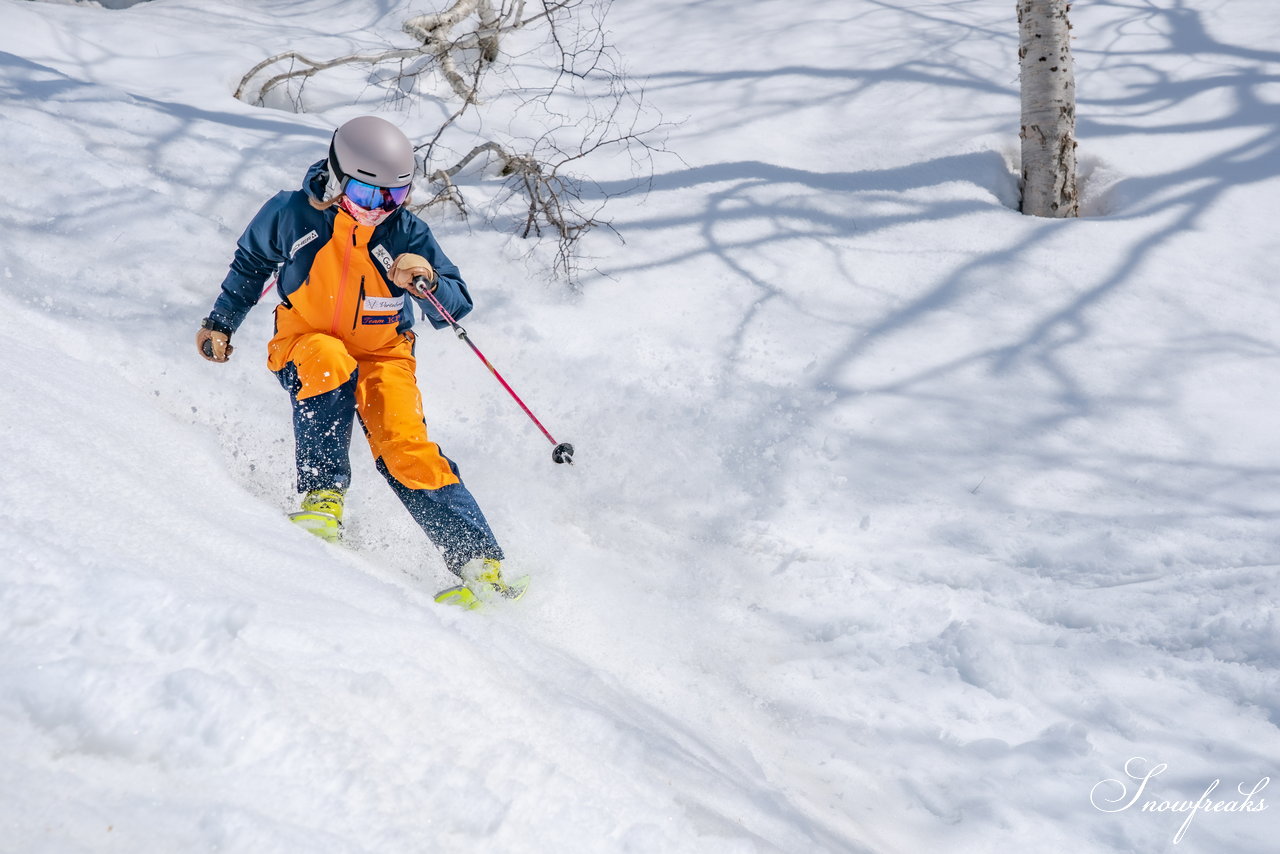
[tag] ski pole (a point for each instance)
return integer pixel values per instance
(562, 452)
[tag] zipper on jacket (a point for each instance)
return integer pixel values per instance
(342, 286)
(355, 316)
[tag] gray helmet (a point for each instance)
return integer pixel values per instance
(372, 150)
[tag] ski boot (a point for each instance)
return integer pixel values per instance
(321, 514)
(482, 584)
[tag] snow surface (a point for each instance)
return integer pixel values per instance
(900, 521)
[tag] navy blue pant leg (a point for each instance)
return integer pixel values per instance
(321, 432)
(450, 517)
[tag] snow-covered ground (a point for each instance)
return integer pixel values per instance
(900, 521)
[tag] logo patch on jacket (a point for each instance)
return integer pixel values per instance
(379, 319)
(384, 303)
(384, 257)
(301, 242)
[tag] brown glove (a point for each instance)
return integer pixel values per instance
(409, 265)
(214, 344)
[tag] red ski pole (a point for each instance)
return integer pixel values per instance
(561, 452)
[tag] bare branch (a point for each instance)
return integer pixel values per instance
(466, 42)
(314, 67)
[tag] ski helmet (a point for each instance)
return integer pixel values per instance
(371, 150)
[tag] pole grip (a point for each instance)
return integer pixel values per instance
(422, 286)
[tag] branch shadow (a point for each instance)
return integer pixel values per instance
(829, 212)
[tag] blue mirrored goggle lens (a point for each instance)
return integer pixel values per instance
(372, 198)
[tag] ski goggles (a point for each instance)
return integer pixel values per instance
(373, 198)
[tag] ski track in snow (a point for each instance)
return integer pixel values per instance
(900, 521)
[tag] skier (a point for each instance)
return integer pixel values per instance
(345, 253)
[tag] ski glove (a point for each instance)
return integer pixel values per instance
(409, 265)
(214, 341)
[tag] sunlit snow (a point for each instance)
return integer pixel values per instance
(900, 522)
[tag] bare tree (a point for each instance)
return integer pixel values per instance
(466, 44)
(1048, 109)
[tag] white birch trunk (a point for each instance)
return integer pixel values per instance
(1048, 109)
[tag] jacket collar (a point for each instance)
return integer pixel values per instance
(344, 225)
(314, 185)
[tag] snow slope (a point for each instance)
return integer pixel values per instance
(900, 521)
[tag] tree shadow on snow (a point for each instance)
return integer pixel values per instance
(147, 177)
(832, 212)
